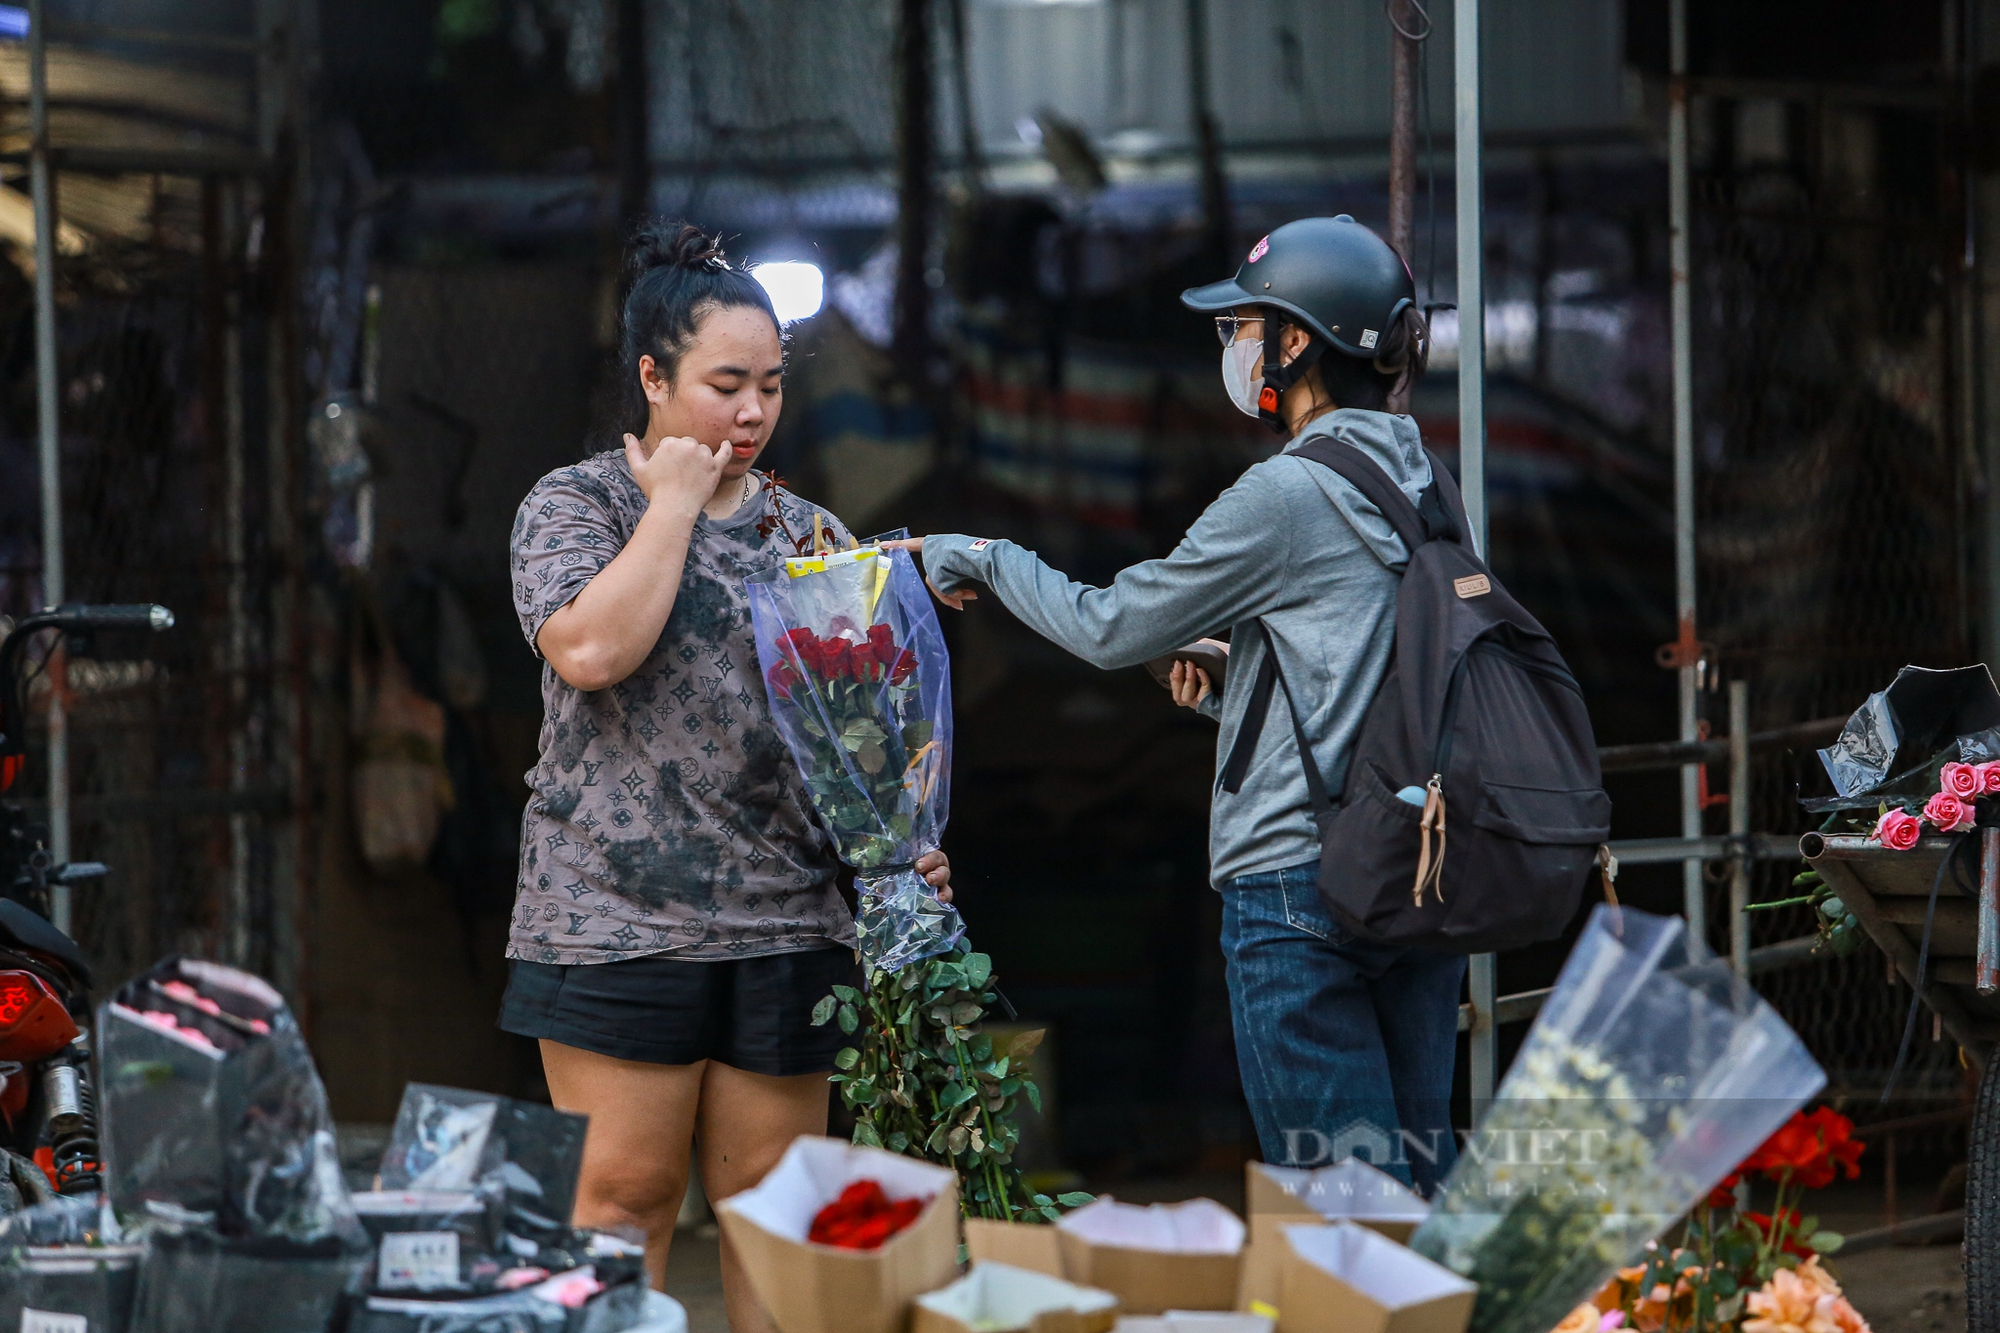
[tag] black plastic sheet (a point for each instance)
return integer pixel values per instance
(1892, 745)
(196, 1282)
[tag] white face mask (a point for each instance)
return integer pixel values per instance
(1243, 373)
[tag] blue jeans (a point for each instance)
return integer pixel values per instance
(1346, 1048)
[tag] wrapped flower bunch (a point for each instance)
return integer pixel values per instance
(1738, 1271)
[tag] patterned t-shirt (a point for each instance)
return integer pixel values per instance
(666, 814)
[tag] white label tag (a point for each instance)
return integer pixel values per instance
(47, 1321)
(980, 545)
(1473, 585)
(423, 1260)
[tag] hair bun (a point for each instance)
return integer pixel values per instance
(661, 244)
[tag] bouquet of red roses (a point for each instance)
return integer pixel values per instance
(860, 688)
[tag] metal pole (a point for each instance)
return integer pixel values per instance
(1986, 972)
(1739, 827)
(1471, 272)
(1402, 144)
(1483, 1044)
(1693, 902)
(49, 427)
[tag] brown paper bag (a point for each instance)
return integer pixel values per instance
(1276, 1197)
(1019, 1244)
(998, 1298)
(1347, 1279)
(1183, 1256)
(810, 1288)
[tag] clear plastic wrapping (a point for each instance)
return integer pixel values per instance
(526, 1156)
(211, 1105)
(585, 1300)
(860, 688)
(62, 1257)
(1643, 1082)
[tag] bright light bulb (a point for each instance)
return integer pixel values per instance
(797, 289)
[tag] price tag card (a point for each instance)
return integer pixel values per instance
(418, 1260)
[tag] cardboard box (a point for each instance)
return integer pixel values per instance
(1347, 1279)
(810, 1288)
(1351, 1190)
(1194, 1321)
(1028, 1245)
(997, 1298)
(1182, 1256)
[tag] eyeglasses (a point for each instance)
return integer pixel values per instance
(1228, 327)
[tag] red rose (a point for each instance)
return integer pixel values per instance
(862, 1217)
(836, 658)
(1898, 830)
(881, 637)
(781, 678)
(906, 662)
(1790, 1218)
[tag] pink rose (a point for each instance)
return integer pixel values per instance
(1898, 830)
(1989, 777)
(1947, 813)
(1960, 780)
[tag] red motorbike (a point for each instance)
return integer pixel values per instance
(48, 1116)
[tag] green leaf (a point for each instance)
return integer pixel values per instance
(846, 1058)
(865, 1135)
(965, 1013)
(956, 1141)
(864, 1091)
(849, 1020)
(980, 1048)
(956, 1095)
(822, 1011)
(1034, 1096)
(1075, 1199)
(1826, 1242)
(978, 969)
(847, 993)
(1024, 1044)
(897, 1142)
(1041, 1200)
(916, 733)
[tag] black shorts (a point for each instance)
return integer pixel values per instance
(753, 1014)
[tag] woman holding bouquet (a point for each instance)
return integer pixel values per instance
(1342, 1045)
(676, 917)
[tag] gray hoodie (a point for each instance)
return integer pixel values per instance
(1291, 543)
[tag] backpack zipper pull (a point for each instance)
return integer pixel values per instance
(1430, 869)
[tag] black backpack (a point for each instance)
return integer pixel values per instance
(1478, 712)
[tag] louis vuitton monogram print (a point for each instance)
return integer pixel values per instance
(665, 814)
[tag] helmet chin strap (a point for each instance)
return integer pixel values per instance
(1279, 377)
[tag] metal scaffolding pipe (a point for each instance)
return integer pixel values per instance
(1483, 1045)
(1694, 904)
(49, 430)
(1739, 827)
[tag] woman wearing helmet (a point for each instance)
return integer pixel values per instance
(1344, 1046)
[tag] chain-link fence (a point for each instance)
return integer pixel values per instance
(1832, 481)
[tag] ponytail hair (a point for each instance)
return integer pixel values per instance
(676, 275)
(1401, 355)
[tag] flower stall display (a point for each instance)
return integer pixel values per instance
(1643, 1081)
(860, 687)
(1738, 1271)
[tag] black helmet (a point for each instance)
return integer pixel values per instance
(1341, 280)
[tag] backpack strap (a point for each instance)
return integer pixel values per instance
(1439, 516)
(1271, 676)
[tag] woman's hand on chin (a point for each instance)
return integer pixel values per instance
(680, 473)
(935, 867)
(915, 546)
